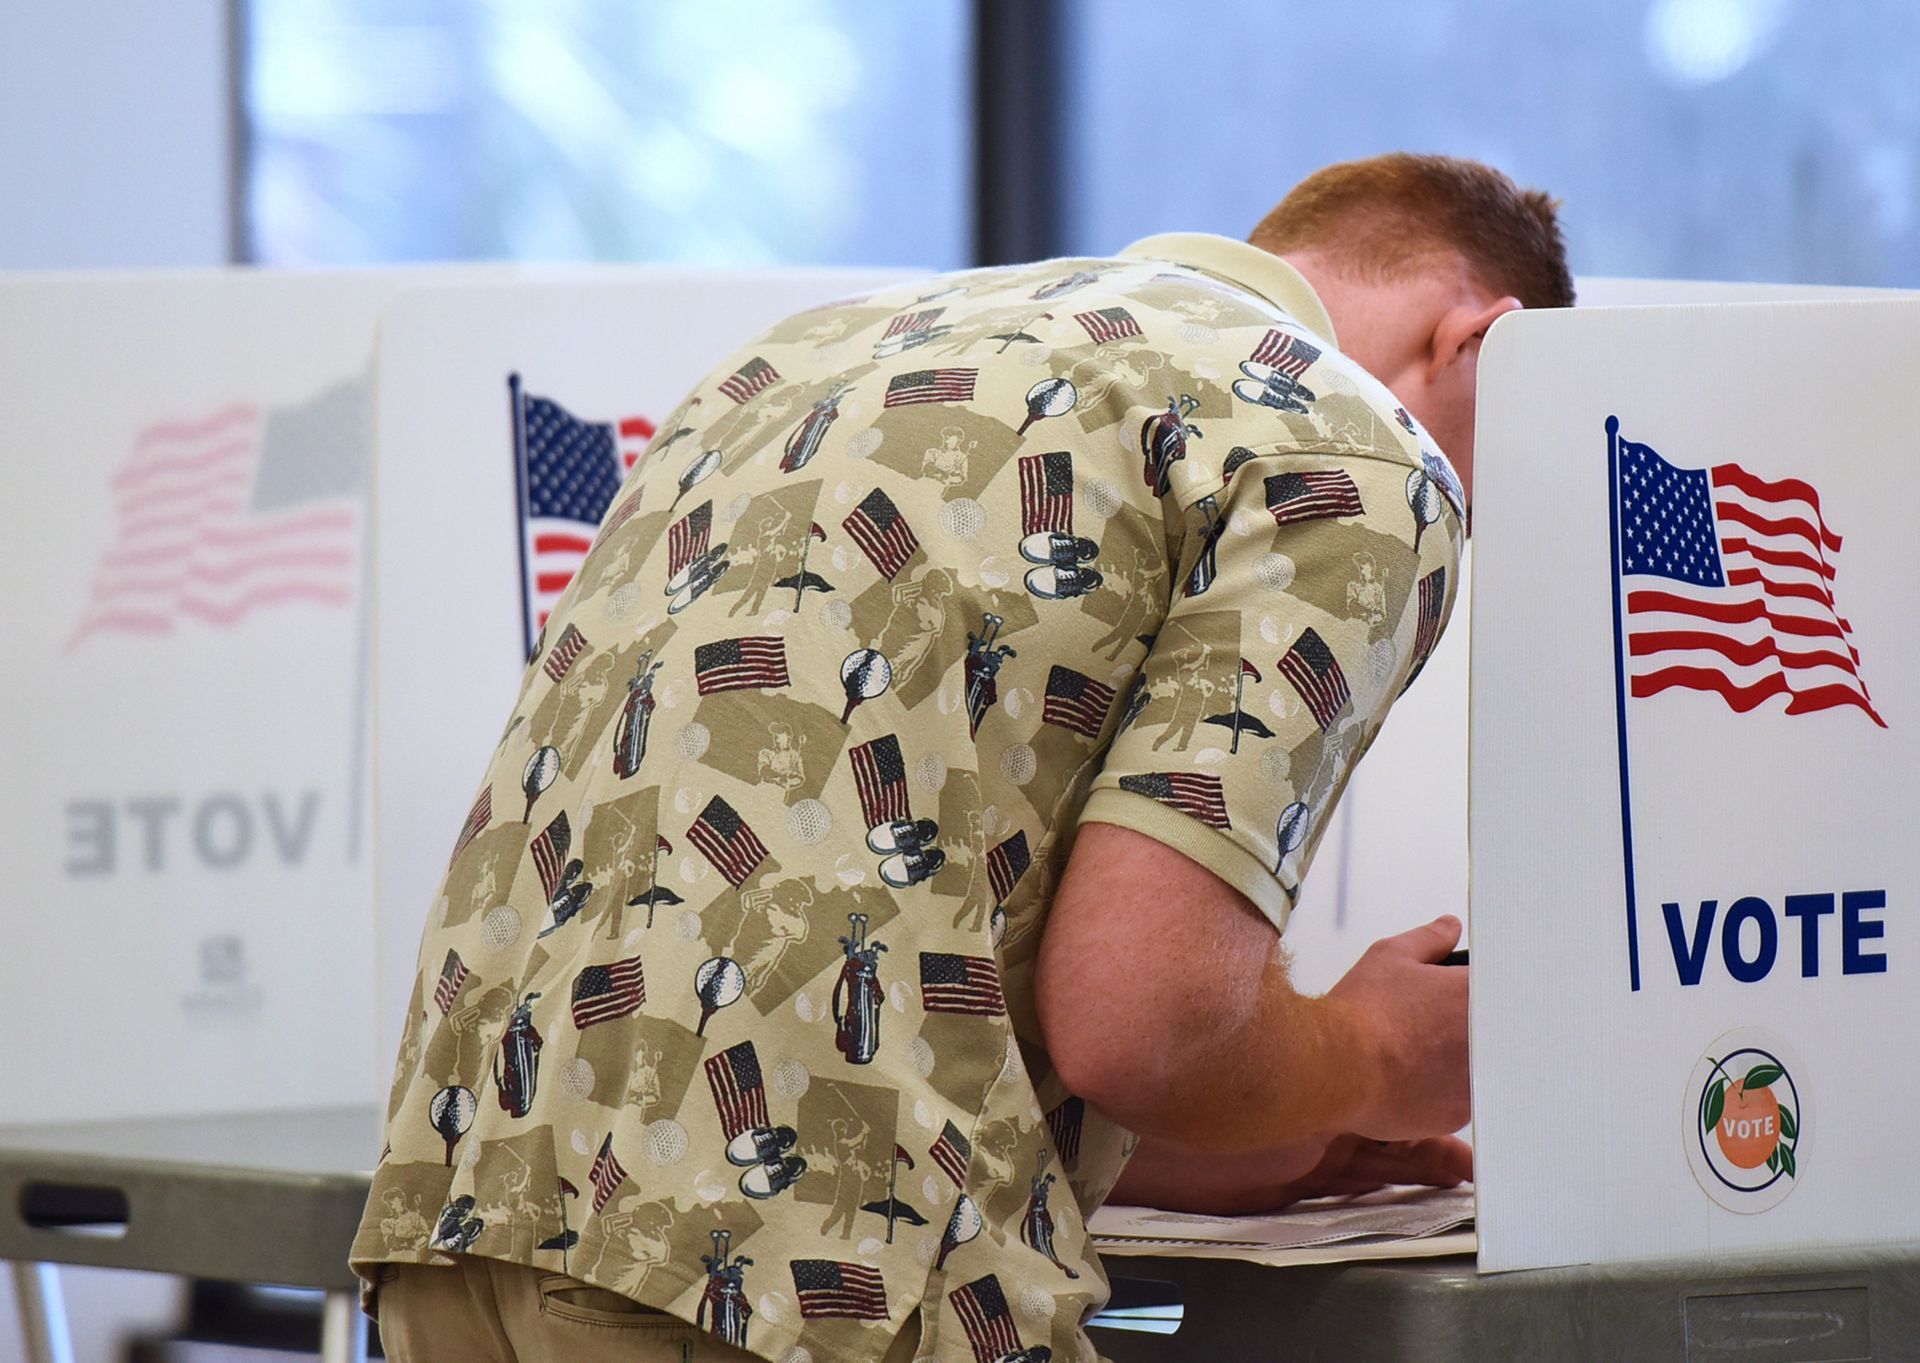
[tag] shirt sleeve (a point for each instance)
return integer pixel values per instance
(1312, 588)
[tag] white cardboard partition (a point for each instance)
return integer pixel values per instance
(184, 460)
(1694, 936)
(610, 348)
(1396, 854)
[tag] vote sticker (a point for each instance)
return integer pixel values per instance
(1744, 1122)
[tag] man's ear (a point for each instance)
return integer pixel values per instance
(1461, 329)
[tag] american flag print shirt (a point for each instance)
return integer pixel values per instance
(725, 1003)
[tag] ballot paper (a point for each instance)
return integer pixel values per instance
(1394, 1223)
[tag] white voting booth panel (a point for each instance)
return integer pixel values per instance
(617, 347)
(1395, 855)
(185, 460)
(1695, 715)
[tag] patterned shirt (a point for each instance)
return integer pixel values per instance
(727, 1001)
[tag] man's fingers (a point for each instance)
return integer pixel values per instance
(1438, 1162)
(1430, 942)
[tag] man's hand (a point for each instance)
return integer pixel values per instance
(1413, 1013)
(1178, 1179)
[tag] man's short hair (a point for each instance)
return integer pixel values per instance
(1387, 217)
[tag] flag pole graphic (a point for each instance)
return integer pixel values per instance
(1620, 699)
(519, 415)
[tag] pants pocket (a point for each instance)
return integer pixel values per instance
(569, 1299)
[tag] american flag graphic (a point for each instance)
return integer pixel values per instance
(453, 975)
(1288, 354)
(606, 1174)
(1316, 675)
(1046, 493)
(755, 376)
(477, 818)
(687, 537)
(739, 1092)
(725, 840)
(882, 533)
(570, 472)
(602, 993)
(740, 664)
(569, 646)
(1076, 701)
(1065, 1123)
(1426, 630)
(880, 777)
(236, 511)
(985, 1316)
(1195, 794)
(950, 983)
(622, 512)
(1108, 324)
(1295, 497)
(1728, 585)
(930, 385)
(831, 1288)
(1006, 863)
(952, 1153)
(912, 321)
(549, 851)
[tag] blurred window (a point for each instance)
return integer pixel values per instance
(717, 131)
(1714, 139)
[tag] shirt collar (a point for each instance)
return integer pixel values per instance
(1244, 264)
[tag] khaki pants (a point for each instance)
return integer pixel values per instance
(490, 1311)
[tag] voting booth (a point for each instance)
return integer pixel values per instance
(292, 538)
(206, 569)
(188, 461)
(508, 415)
(1694, 723)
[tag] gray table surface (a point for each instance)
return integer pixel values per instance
(266, 1197)
(1816, 1306)
(275, 1197)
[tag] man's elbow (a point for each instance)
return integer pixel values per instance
(1105, 1046)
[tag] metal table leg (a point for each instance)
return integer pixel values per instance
(343, 1330)
(43, 1312)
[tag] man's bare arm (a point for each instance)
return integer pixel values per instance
(1165, 1002)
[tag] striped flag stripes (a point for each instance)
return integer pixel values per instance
(1046, 492)
(930, 385)
(1006, 863)
(740, 664)
(1108, 324)
(688, 537)
(755, 376)
(566, 649)
(880, 778)
(882, 533)
(1076, 701)
(606, 1173)
(453, 975)
(834, 1289)
(951, 983)
(477, 818)
(1316, 675)
(1196, 794)
(1319, 495)
(987, 1319)
(549, 851)
(602, 993)
(952, 1152)
(726, 841)
(739, 1091)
